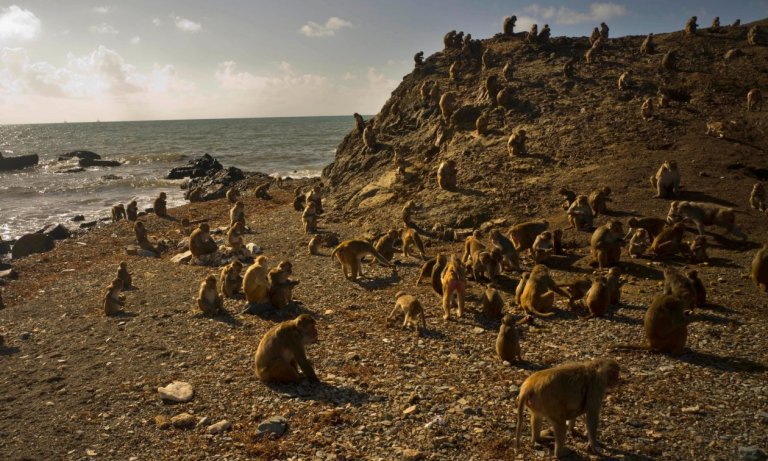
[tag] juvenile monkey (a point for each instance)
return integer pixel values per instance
(569, 197)
(598, 297)
(715, 28)
(314, 242)
(516, 143)
(646, 110)
(510, 257)
(255, 283)
(232, 195)
(492, 303)
(369, 138)
(691, 26)
(568, 68)
(481, 124)
(669, 241)
(447, 106)
(580, 214)
(520, 288)
(648, 47)
(386, 244)
(132, 210)
(118, 212)
(524, 234)
(262, 191)
(604, 31)
(508, 342)
(542, 247)
(230, 280)
(757, 197)
(533, 32)
(544, 34)
(160, 207)
(359, 123)
(666, 181)
(639, 243)
(613, 280)
(505, 97)
(453, 71)
(113, 300)
(653, 226)
(237, 213)
(669, 60)
(446, 175)
(407, 211)
(487, 264)
(235, 238)
(606, 244)
(281, 352)
(598, 200)
(437, 273)
(508, 72)
(760, 268)
(538, 296)
(208, 299)
(425, 271)
(624, 81)
(349, 253)
(678, 283)
(698, 288)
(124, 275)
(280, 285)
(411, 309)
(576, 290)
(202, 245)
(309, 218)
(472, 244)
(142, 238)
(705, 214)
(486, 59)
(411, 238)
(698, 249)
(754, 100)
(454, 283)
(562, 394)
(594, 36)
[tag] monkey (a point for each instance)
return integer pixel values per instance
(613, 281)
(595, 35)
(732, 54)
(132, 210)
(472, 244)
(454, 283)
(124, 275)
(704, 214)
(580, 214)
(435, 94)
(669, 60)
(510, 256)
(736, 23)
(663, 101)
(648, 47)
(299, 200)
(481, 124)
(646, 110)
(195, 195)
(410, 238)
(453, 71)
(604, 31)
(533, 32)
(665, 325)
(568, 68)
(437, 272)
(520, 288)
(314, 242)
(757, 197)
(485, 263)
(232, 195)
(754, 100)
(447, 106)
(449, 39)
(281, 352)
(598, 200)
(544, 34)
(230, 280)
(425, 271)
(315, 195)
(690, 26)
(492, 88)
(700, 299)
(118, 212)
(202, 245)
(2, 306)
(408, 208)
(309, 218)
(542, 247)
(508, 342)
(142, 239)
(698, 249)
(160, 206)
(624, 81)
(508, 26)
(590, 55)
(524, 234)
(349, 253)
(369, 139)
(669, 241)
(715, 28)
(385, 245)
(262, 191)
(598, 297)
(424, 90)
(759, 271)
(185, 227)
(563, 393)
(113, 300)
(279, 181)
(255, 283)
(446, 175)
(538, 296)
(359, 123)
(486, 60)
(237, 213)
(411, 309)
(508, 72)
(666, 181)
(557, 242)
(516, 143)
(754, 36)
(235, 238)
(569, 197)
(418, 59)
(280, 285)
(576, 290)
(653, 226)
(492, 303)
(606, 244)
(716, 129)
(639, 243)
(208, 299)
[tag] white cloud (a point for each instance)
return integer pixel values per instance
(524, 23)
(564, 15)
(230, 79)
(18, 24)
(329, 29)
(101, 9)
(349, 76)
(187, 25)
(135, 40)
(104, 28)
(157, 22)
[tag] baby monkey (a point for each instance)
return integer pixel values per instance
(412, 310)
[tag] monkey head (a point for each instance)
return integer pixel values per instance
(204, 227)
(307, 327)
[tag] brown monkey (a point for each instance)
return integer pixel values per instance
(118, 212)
(598, 201)
(349, 253)
(760, 268)
(613, 279)
(665, 325)
(698, 249)
(492, 303)
(369, 138)
(255, 283)
(508, 342)
(606, 244)
(557, 242)
(544, 34)
(568, 68)
(454, 283)
(208, 299)
(538, 296)
(510, 257)
(280, 285)
(202, 245)
(447, 106)
(576, 290)
(757, 197)
(698, 288)
(562, 394)
(598, 297)
(230, 280)
(425, 271)
(542, 247)
(446, 175)
(359, 123)
(195, 195)
(486, 60)
(653, 226)
(410, 238)
(160, 207)
(594, 36)
(715, 27)
(143, 239)
(625, 81)
(666, 181)
(508, 72)
(262, 191)
(472, 244)
(533, 32)
(315, 195)
(669, 60)
(639, 243)
(437, 273)
(113, 300)
(233, 195)
(508, 27)
(485, 264)
(648, 47)
(314, 242)
(569, 197)
(132, 210)
(309, 218)
(516, 143)
(677, 283)
(520, 288)
(281, 352)
(124, 275)
(754, 100)
(646, 110)
(591, 55)
(492, 88)
(691, 26)
(411, 309)
(235, 238)
(481, 124)
(237, 213)
(604, 31)
(453, 71)
(386, 244)
(669, 241)
(580, 214)
(705, 214)
(663, 101)
(406, 213)
(736, 23)
(424, 90)
(524, 234)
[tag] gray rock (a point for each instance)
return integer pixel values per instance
(219, 427)
(30, 244)
(88, 225)
(55, 231)
(182, 258)
(273, 427)
(9, 274)
(751, 454)
(177, 391)
(78, 218)
(80, 154)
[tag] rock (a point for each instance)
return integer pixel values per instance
(111, 177)
(182, 258)
(81, 154)
(135, 250)
(9, 274)
(88, 225)
(30, 244)
(478, 330)
(409, 410)
(162, 422)
(273, 427)
(205, 421)
(410, 454)
(204, 166)
(184, 421)
(5, 247)
(253, 249)
(89, 163)
(55, 231)
(751, 454)
(351, 356)
(219, 427)
(215, 184)
(78, 218)
(25, 335)
(75, 169)
(177, 391)
(19, 162)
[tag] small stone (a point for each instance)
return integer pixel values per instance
(751, 454)
(177, 391)
(273, 427)
(350, 356)
(219, 427)
(25, 335)
(162, 422)
(410, 454)
(478, 330)
(409, 410)
(182, 258)
(184, 421)
(90, 452)
(693, 409)
(205, 421)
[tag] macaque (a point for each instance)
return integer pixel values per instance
(508, 342)
(606, 244)
(760, 268)
(280, 285)
(520, 288)
(533, 33)
(492, 303)
(524, 234)
(653, 226)
(666, 181)
(208, 299)
(648, 47)
(485, 264)
(625, 81)
(757, 197)
(118, 212)
(369, 139)
(613, 280)
(237, 213)
(113, 300)
(669, 241)
(255, 283)
(562, 394)
(472, 244)
(230, 280)
(542, 247)
(594, 36)
(598, 297)
(538, 296)
(437, 273)
(202, 245)
(411, 238)
(454, 283)
(124, 275)
(569, 197)
(557, 242)
(705, 214)
(665, 325)
(235, 237)
(698, 288)
(349, 253)
(447, 106)
(309, 218)
(754, 100)
(691, 26)
(281, 352)
(411, 309)
(576, 290)
(386, 244)
(314, 242)
(425, 271)
(446, 175)
(516, 143)
(407, 211)
(669, 60)
(580, 214)
(195, 195)
(160, 207)
(508, 72)
(132, 210)
(646, 110)
(604, 31)
(508, 27)
(698, 249)
(233, 195)
(510, 257)
(142, 238)
(715, 27)
(359, 123)
(598, 201)
(262, 191)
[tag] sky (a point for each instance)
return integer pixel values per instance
(75, 60)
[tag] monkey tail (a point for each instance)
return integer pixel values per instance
(518, 429)
(333, 254)
(532, 310)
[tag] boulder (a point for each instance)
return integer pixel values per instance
(55, 231)
(182, 258)
(198, 168)
(30, 244)
(86, 162)
(273, 428)
(81, 154)
(177, 391)
(5, 247)
(78, 218)
(215, 185)
(17, 163)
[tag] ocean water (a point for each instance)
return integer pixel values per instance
(34, 197)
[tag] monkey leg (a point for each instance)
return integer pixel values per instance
(345, 269)
(536, 421)
(560, 432)
(393, 314)
(281, 371)
(447, 295)
(461, 295)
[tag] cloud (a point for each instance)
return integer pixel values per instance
(187, 25)
(101, 9)
(329, 29)
(564, 15)
(157, 22)
(135, 40)
(104, 28)
(18, 24)
(349, 76)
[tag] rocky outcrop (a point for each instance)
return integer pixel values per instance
(201, 167)
(86, 163)
(19, 162)
(80, 154)
(216, 184)
(30, 244)
(55, 231)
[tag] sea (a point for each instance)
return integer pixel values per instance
(34, 197)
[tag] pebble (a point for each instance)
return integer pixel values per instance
(205, 421)
(751, 454)
(162, 422)
(177, 391)
(273, 427)
(410, 454)
(409, 410)
(219, 427)
(478, 330)
(184, 421)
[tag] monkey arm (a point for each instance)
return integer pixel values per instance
(303, 362)
(594, 401)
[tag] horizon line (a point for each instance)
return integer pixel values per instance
(180, 119)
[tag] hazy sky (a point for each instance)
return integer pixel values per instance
(141, 60)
